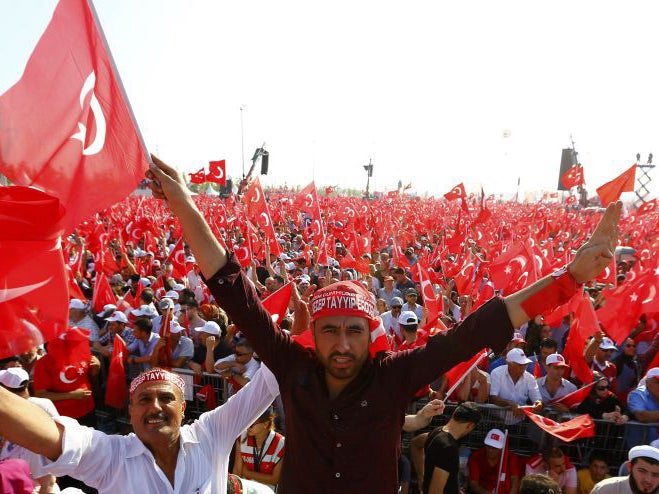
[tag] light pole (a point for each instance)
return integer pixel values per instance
(369, 171)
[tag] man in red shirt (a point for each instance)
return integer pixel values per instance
(345, 408)
(484, 464)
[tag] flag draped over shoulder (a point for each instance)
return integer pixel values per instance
(34, 292)
(66, 126)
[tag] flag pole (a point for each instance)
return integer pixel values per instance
(501, 460)
(459, 381)
(101, 34)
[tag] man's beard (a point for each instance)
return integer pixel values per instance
(634, 486)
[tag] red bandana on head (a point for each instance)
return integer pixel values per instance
(157, 374)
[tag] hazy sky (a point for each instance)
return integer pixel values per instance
(425, 89)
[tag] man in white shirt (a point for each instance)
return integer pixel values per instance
(390, 320)
(161, 456)
(513, 386)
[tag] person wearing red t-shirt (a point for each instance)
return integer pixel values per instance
(556, 465)
(484, 466)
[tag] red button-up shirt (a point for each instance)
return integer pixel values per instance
(349, 444)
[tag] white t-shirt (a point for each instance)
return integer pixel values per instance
(390, 324)
(123, 464)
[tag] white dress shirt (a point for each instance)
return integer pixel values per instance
(521, 392)
(123, 464)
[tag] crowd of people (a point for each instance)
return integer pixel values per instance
(187, 291)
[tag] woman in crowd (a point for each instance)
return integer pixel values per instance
(260, 452)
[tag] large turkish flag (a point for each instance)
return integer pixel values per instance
(65, 126)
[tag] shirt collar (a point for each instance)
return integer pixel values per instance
(136, 447)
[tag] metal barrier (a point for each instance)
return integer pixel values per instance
(195, 405)
(526, 439)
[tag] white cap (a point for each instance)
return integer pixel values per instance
(290, 266)
(284, 257)
(495, 438)
(144, 310)
(175, 327)
(166, 303)
(652, 373)
(516, 356)
(518, 337)
(76, 303)
(156, 263)
(117, 316)
(14, 377)
(210, 327)
(107, 308)
(607, 344)
(171, 294)
(145, 282)
(190, 259)
(304, 278)
(556, 359)
(407, 318)
(644, 452)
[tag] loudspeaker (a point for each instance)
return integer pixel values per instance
(264, 162)
(568, 158)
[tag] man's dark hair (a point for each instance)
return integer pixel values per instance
(467, 412)
(278, 279)
(548, 343)
(552, 452)
(399, 271)
(646, 459)
(146, 296)
(596, 456)
(144, 324)
(7, 360)
(539, 484)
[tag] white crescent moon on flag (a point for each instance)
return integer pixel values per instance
(309, 200)
(519, 259)
(62, 375)
(95, 107)
(257, 196)
(316, 227)
(7, 294)
(241, 253)
(266, 220)
(179, 257)
(425, 285)
(136, 233)
(220, 174)
(653, 292)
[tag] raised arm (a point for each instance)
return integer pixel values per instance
(27, 425)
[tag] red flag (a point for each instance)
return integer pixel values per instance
(103, 294)
(199, 177)
(457, 374)
(165, 355)
(116, 391)
(328, 190)
(206, 394)
(217, 172)
(457, 192)
(66, 126)
(648, 207)
(575, 398)
(573, 177)
(611, 191)
(579, 427)
(177, 258)
(583, 325)
(537, 369)
(277, 303)
(74, 288)
(433, 303)
(34, 295)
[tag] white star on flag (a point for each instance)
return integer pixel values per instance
(633, 297)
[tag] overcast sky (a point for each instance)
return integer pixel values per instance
(426, 89)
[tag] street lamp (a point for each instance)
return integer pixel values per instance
(369, 171)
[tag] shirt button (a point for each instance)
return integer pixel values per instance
(337, 475)
(338, 445)
(364, 403)
(220, 281)
(335, 417)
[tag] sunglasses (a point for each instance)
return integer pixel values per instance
(601, 388)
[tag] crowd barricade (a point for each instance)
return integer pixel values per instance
(196, 403)
(526, 439)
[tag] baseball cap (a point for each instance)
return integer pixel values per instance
(644, 451)
(190, 259)
(516, 356)
(210, 327)
(156, 263)
(556, 359)
(175, 327)
(166, 303)
(411, 291)
(117, 316)
(173, 294)
(14, 378)
(107, 308)
(607, 344)
(144, 310)
(304, 278)
(76, 303)
(407, 318)
(145, 282)
(388, 278)
(495, 438)
(116, 279)
(518, 338)
(653, 373)
(396, 301)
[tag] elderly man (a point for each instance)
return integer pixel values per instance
(115, 325)
(513, 386)
(345, 409)
(161, 456)
(389, 291)
(643, 475)
(78, 316)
